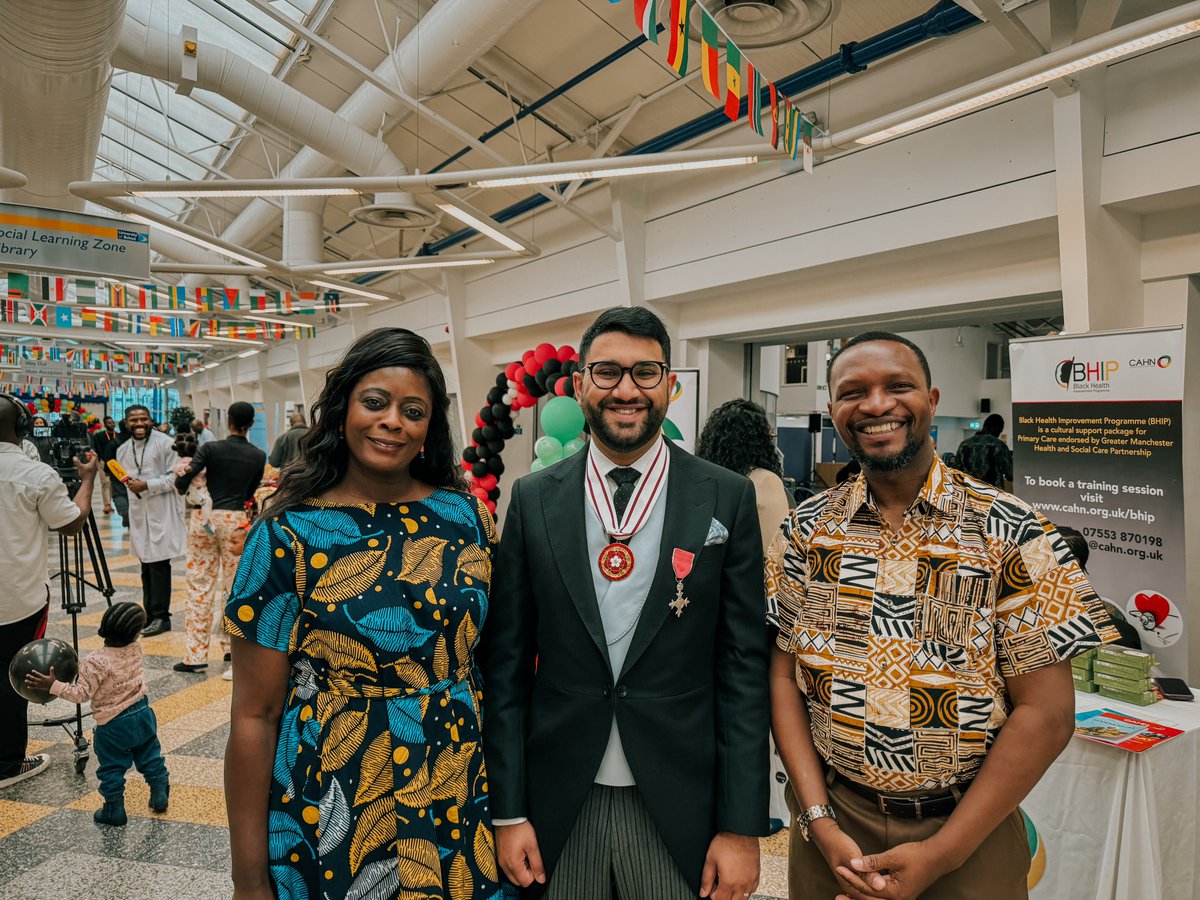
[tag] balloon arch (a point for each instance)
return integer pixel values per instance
(543, 371)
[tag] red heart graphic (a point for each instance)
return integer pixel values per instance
(1155, 604)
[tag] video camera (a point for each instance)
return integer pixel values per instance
(67, 440)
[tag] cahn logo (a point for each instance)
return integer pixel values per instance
(1096, 372)
(1161, 362)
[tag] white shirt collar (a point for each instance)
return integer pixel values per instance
(606, 465)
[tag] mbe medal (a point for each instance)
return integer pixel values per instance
(616, 562)
(681, 562)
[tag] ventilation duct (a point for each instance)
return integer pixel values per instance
(56, 70)
(151, 52)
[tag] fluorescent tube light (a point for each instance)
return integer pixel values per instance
(584, 173)
(481, 226)
(349, 290)
(290, 323)
(249, 353)
(1023, 85)
(232, 340)
(434, 263)
(168, 383)
(268, 192)
(199, 242)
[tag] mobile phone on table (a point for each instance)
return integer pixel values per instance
(1173, 688)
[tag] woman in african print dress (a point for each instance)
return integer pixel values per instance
(354, 767)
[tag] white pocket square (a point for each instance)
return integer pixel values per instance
(717, 534)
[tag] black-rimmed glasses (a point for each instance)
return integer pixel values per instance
(607, 375)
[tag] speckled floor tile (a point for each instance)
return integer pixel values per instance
(192, 699)
(200, 771)
(14, 815)
(773, 872)
(211, 744)
(72, 874)
(189, 803)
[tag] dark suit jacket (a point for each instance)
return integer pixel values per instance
(691, 703)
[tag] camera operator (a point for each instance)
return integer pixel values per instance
(33, 499)
(156, 530)
(100, 441)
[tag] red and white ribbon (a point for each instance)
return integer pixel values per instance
(649, 486)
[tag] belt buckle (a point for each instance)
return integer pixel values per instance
(916, 811)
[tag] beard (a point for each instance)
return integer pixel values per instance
(888, 462)
(622, 441)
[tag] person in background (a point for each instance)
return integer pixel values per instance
(126, 732)
(101, 438)
(1079, 547)
(356, 608)
(120, 494)
(287, 445)
(41, 443)
(848, 471)
(164, 427)
(921, 683)
(232, 469)
(985, 456)
(33, 500)
(203, 435)
(738, 437)
(156, 534)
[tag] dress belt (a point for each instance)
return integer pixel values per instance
(905, 806)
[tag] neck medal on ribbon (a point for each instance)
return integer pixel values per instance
(616, 560)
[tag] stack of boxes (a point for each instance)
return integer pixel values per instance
(1081, 672)
(1124, 674)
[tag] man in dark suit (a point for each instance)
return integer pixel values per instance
(625, 659)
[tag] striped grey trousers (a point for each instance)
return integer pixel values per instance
(615, 851)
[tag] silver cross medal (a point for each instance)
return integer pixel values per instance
(680, 602)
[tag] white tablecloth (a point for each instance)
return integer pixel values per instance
(1117, 825)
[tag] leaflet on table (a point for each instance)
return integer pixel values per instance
(1107, 726)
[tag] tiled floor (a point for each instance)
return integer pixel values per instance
(49, 846)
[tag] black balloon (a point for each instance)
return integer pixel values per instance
(479, 469)
(540, 378)
(490, 432)
(506, 428)
(477, 436)
(41, 656)
(494, 395)
(551, 366)
(569, 390)
(471, 455)
(531, 385)
(486, 415)
(494, 494)
(499, 411)
(495, 465)
(496, 446)
(502, 382)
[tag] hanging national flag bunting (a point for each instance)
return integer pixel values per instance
(85, 291)
(230, 298)
(39, 314)
(646, 15)
(18, 286)
(87, 318)
(332, 302)
(709, 35)
(733, 80)
(116, 295)
(806, 130)
(62, 317)
(774, 92)
(754, 98)
(677, 49)
(177, 297)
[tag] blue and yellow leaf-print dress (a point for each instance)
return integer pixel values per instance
(379, 788)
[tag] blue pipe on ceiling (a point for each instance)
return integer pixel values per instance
(945, 18)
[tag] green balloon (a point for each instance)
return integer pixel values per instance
(537, 466)
(573, 446)
(671, 430)
(548, 449)
(562, 419)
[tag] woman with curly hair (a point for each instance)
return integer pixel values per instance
(738, 437)
(354, 764)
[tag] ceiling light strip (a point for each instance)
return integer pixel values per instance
(349, 289)
(583, 174)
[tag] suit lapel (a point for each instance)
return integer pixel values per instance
(690, 503)
(563, 509)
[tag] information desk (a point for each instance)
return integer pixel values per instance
(1115, 825)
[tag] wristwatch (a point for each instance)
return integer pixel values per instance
(810, 815)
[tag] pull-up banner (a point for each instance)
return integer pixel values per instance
(1098, 445)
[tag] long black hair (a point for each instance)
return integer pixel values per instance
(737, 436)
(323, 456)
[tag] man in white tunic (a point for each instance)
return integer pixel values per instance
(156, 528)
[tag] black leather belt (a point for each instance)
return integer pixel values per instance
(910, 806)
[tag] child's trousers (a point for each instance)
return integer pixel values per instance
(131, 739)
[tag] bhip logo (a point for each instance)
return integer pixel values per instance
(1070, 371)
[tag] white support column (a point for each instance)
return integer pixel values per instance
(1177, 302)
(722, 371)
(1099, 249)
(629, 217)
(273, 399)
(308, 386)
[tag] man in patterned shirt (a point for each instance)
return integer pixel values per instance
(920, 685)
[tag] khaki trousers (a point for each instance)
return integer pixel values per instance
(996, 871)
(210, 569)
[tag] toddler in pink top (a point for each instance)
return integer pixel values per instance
(126, 729)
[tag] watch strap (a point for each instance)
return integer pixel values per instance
(810, 815)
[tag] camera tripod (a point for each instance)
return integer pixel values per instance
(72, 580)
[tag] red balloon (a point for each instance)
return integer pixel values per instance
(491, 505)
(511, 370)
(487, 482)
(526, 356)
(530, 400)
(478, 420)
(544, 352)
(468, 466)
(560, 387)
(565, 352)
(533, 366)
(479, 492)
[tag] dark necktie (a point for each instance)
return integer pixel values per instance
(625, 478)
